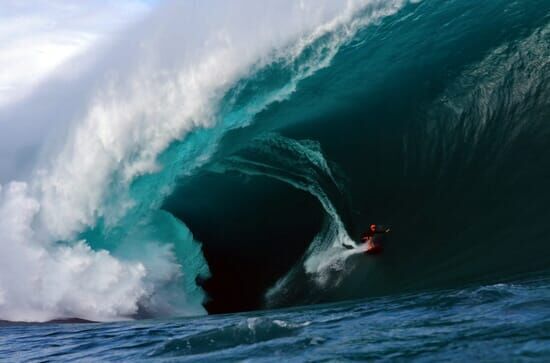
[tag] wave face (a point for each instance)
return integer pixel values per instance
(432, 120)
(240, 153)
(83, 230)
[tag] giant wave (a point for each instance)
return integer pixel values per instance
(235, 148)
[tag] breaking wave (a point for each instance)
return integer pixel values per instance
(143, 183)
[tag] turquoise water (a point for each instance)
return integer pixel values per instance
(433, 120)
(427, 116)
(498, 322)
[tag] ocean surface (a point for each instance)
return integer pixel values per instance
(200, 188)
(506, 322)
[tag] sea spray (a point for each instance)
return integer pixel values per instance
(151, 112)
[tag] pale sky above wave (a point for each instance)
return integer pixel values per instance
(37, 37)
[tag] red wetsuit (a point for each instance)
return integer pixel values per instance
(368, 238)
(370, 234)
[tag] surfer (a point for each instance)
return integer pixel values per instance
(368, 238)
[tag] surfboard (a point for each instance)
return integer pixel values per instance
(374, 250)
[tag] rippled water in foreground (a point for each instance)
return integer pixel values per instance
(499, 322)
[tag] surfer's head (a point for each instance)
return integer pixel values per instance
(373, 227)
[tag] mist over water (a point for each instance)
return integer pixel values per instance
(222, 154)
(151, 111)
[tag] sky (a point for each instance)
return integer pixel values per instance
(37, 37)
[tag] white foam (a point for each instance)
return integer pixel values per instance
(41, 282)
(163, 80)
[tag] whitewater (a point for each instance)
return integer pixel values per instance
(191, 181)
(82, 232)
